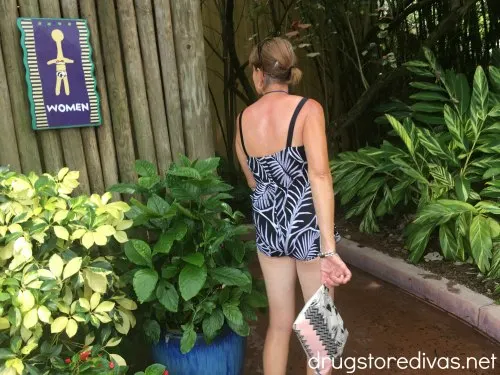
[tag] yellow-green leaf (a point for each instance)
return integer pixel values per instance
(99, 239)
(127, 303)
(103, 317)
(26, 300)
(105, 306)
(118, 359)
(42, 272)
(94, 300)
(26, 334)
(124, 224)
(4, 323)
(44, 314)
(30, 319)
(29, 347)
(89, 339)
(63, 308)
(59, 324)
(60, 216)
(77, 234)
(61, 232)
(15, 228)
(106, 230)
(84, 304)
(88, 240)
(62, 173)
(96, 281)
(72, 267)
(114, 341)
(121, 236)
(71, 328)
(16, 364)
(56, 265)
(124, 326)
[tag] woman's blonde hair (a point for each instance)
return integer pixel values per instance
(277, 59)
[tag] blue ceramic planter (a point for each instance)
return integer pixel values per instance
(224, 356)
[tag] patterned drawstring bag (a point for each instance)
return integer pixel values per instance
(321, 331)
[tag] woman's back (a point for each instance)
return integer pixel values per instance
(283, 209)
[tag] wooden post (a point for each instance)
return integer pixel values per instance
(116, 85)
(147, 37)
(170, 76)
(71, 139)
(9, 153)
(13, 61)
(50, 141)
(88, 134)
(135, 81)
(191, 63)
(105, 136)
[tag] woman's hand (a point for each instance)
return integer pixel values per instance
(334, 272)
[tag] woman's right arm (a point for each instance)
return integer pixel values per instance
(320, 177)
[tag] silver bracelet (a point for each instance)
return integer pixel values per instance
(329, 254)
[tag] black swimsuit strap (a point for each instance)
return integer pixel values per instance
(292, 122)
(241, 136)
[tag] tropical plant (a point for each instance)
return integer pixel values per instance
(445, 167)
(191, 273)
(155, 369)
(61, 302)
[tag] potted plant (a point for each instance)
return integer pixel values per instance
(62, 305)
(191, 267)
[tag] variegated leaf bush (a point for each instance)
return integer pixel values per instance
(61, 301)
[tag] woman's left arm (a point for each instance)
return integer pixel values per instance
(242, 158)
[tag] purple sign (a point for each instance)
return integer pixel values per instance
(61, 82)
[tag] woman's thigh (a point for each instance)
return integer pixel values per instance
(309, 274)
(280, 276)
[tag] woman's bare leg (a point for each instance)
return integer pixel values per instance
(280, 276)
(310, 281)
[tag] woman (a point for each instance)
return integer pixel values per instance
(281, 146)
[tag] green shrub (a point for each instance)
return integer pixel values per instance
(191, 272)
(444, 167)
(60, 297)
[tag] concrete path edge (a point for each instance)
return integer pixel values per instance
(476, 309)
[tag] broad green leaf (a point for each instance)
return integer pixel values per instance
(488, 207)
(168, 297)
(212, 324)
(458, 88)
(495, 77)
(155, 369)
(494, 227)
(144, 283)
(61, 232)
(462, 188)
(196, 259)
(429, 95)
(402, 133)
(138, 252)
(169, 271)
(191, 280)
(59, 324)
(479, 100)
(481, 243)
(441, 175)
(145, 168)
(56, 265)
(72, 267)
(188, 339)
(158, 205)
(232, 313)
(185, 172)
(241, 329)
(431, 107)
(495, 111)
(176, 232)
(417, 241)
(230, 276)
(114, 341)
(447, 241)
(431, 144)
(427, 86)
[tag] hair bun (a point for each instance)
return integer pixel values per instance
(295, 76)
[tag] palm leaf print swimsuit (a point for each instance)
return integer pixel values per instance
(283, 210)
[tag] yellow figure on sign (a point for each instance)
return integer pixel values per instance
(60, 61)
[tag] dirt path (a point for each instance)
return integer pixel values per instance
(386, 322)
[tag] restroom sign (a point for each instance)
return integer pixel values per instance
(60, 73)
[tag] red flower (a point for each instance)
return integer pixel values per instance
(84, 356)
(165, 372)
(67, 360)
(111, 365)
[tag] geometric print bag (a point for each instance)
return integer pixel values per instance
(321, 331)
